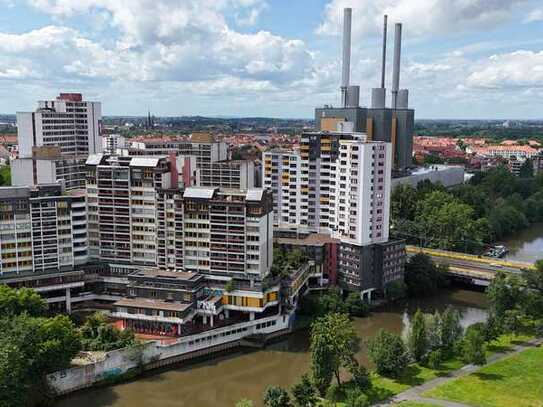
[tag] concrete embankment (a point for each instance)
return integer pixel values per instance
(117, 364)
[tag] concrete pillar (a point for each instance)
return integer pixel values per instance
(252, 316)
(178, 329)
(68, 301)
(227, 313)
(211, 320)
(205, 319)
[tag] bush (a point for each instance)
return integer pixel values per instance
(335, 392)
(389, 354)
(356, 306)
(304, 393)
(361, 377)
(275, 396)
(356, 398)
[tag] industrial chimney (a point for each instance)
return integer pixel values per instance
(383, 62)
(396, 66)
(346, 61)
(378, 95)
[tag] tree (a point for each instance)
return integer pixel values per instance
(332, 302)
(389, 354)
(450, 330)
(98, 335)
(422, 276)
(31, 347)
(417, 340)
(473, 346)
(449, 223)
(275, 396)
(527, 169)
(59, 343)
(303, 392)
(503, 294)
(16, 301)
(333, 345)
(395, 289)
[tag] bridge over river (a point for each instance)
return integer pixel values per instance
(470, 268)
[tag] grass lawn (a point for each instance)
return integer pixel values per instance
(515, 381)
(415, 374)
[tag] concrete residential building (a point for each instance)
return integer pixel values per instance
(216, 231)
(122, 207)
(114, 144)
(55, 140)
(43, 229)
(43, 240)
(202, 158)
(360, 208)
(283, 175)
(360, 196)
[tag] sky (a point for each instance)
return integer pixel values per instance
(470, 59)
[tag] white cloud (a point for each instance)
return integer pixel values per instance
(534, 16)
(519, 69)
(421, 17)
(186, 40)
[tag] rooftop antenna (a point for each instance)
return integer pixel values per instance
(383, 63)
(346, 65)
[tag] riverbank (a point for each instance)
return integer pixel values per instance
(245, 373)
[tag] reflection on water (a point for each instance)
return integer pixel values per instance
(527, 245)
(227, 379)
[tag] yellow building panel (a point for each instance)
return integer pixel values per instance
(330, 123)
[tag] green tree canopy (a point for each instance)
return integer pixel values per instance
(333, 345)
(389, 354)
(418, 338)
(23, 300)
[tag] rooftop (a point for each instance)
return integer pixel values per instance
(156, 273)
(313, 239)
(152, 304)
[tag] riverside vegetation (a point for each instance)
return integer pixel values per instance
(33, 344)
(435, 345)
(491, 206)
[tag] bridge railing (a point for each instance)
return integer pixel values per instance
(469, 257)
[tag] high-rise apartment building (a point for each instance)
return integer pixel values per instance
(360, 196)
(214, 231)
(202, 158)
(55, 140)
(283, 175)
(339, 184)
(122, 207)
(43, 230)
(138, 216)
